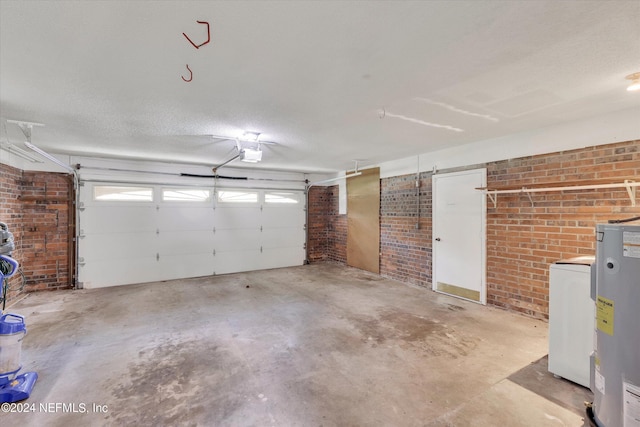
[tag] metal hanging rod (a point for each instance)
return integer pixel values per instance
(17, 151)
(629, 184)
(51, 158)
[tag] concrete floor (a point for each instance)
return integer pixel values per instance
(319, 345)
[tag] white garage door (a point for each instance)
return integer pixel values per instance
(137, 233)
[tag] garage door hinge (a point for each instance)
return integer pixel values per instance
(81, 235)
(214, 252)
(81, 206)
(261, 208)
(260, 249)
(157, 231)
(261, 229)
(157, 257)
(157, 207)
(81, 261)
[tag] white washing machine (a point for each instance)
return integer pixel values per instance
(571, 319)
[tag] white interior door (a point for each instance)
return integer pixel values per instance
(459, 234)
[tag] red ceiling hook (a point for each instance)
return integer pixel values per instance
(190, 77)
(208, 36)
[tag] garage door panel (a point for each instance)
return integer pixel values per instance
(121, 219)
(237, 217)
(237, 240)
(103, 273)
(123, 239)
(186, 218)
(186, 242)
(118, 246)
(283, 217)
(181, 266)
(237, 261)
(282, 237)
(282, 257)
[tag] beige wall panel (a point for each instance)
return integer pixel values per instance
(363, 220)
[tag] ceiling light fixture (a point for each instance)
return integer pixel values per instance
(248, 146)
(250, 136)
(635, 82)
(251, 155)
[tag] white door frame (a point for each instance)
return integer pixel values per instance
(482, 174)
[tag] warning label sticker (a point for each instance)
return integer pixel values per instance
(631, 405)
(605, 312)
(631, 244)
(599, 380)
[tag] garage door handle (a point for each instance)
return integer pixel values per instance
(437, 239)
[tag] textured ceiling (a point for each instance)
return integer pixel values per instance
(328, 81)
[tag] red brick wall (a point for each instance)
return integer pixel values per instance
(327, 228)
(405, 240)
(523, 240)
(319, 207)
(337, 237)
(37, 208)
(11, 214)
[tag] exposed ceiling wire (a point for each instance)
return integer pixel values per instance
(420, 122)
(457, 110)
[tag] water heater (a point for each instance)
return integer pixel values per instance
(616, 360)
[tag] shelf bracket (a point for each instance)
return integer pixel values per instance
(530, 198)
(494, 198)
(631, 190)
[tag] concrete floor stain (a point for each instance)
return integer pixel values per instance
(318, 344)
(169, 380)
(407, 330)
